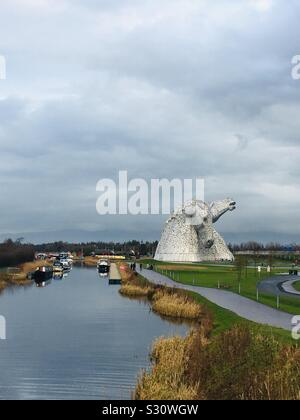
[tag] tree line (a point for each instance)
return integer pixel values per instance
(16, 252)
(13, 253)
(257, 246)
(86, 249)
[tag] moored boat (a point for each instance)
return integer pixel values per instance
(58, 267)
(66, 265)
(43, 274)
(43, 283)
(103, 267)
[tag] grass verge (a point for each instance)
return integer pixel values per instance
(238, 364)
(296, 286)
(20, 278)
(229, 358)
(226, 277)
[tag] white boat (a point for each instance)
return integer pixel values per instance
(103, 267)
(65, 264)
(58, 267)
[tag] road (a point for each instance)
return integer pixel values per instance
(280, 285)
(246, 308)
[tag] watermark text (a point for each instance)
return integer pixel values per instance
(296, 67)
(140, 197)
(296, 327)
(2, 328)
(2, 67)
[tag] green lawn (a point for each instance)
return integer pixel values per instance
(225, 319)
(297, 286)
(226, 278)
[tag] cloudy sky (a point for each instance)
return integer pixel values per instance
(173, 88)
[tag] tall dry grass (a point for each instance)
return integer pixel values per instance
(236, 365)
(242, 365)
(165, 301)
(28, 267)
(135, 291)
(133, 285)
(165, 381)
(176, 305)
(20, 278)
(4, 281)
(91, 261)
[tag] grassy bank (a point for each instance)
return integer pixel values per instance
(218, 320)
(91, 261)
(297, 286)
(238, 364)
(226, 357)
(20, 278)
(170, 303)
(164, 301)
(132, 290)
(227, 278)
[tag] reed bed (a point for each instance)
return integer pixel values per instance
(237, 365)
(133, 285)
(3, 283)
(165, 381)
(20, 278)
(134, 290)
(91, 261)
(176, 305)
(28, 267)
(165, 301)
(7, 280)
(127, 275)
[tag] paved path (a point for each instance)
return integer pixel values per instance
(280, 285)
(246, 308)
(288, 287)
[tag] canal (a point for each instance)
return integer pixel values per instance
(76, 338)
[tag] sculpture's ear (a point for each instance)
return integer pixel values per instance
(216, 210)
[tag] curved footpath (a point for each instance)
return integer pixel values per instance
(280, 285)
(246, 308)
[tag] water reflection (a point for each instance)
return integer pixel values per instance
(78, 339)
(40, 283)
(143, 300)
(59, 276)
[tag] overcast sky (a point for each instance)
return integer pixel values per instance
(172, 88)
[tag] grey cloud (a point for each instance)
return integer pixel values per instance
(179, 89)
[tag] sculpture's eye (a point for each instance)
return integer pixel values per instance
(205, 219)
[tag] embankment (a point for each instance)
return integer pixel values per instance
(20, 278)
(164, 301)
(238, 364)
(242, 361)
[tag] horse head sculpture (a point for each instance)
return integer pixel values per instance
(189, 234)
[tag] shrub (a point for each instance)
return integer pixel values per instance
(241, 365)
(236, 365)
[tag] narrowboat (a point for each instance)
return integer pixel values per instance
(43, 274)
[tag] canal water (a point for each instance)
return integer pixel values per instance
(76, 338)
